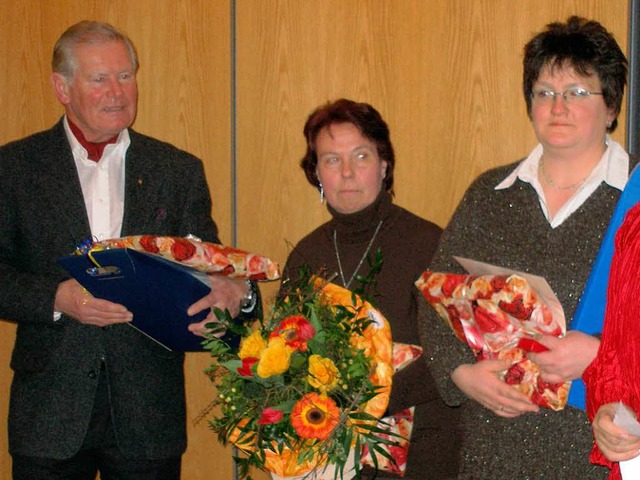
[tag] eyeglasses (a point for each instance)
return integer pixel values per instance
(570, 95)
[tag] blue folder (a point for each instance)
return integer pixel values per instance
(589, 316)
(157, 291)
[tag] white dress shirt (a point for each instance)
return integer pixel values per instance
(613, 169)
(102, 184)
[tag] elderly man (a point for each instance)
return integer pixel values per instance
(90, 393)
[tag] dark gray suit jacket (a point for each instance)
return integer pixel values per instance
(56, 364)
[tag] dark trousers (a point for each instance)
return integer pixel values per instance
(99, 453)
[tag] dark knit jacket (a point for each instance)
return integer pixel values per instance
(508, 228)
(407, 243)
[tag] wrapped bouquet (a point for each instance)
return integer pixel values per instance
(499, 316)
(306, 389)
(206, 257)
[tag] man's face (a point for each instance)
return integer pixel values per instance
(101, 98)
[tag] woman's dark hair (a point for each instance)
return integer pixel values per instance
(588, 48)
(366, 118)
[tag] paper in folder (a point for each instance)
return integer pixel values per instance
(157, 291)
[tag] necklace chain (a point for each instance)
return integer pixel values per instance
(552, 184)
(364, 255)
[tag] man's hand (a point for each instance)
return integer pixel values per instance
(480, 382)
(75, 302)
(226, 294)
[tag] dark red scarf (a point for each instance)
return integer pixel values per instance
(94, 149)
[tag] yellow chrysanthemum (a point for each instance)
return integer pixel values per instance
(252, 346)
(275, 359)
(315, 416)
(323, 373)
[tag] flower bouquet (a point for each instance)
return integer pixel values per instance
(304, 393)
(205, 257)
(499, 316)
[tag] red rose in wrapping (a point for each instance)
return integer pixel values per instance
(204, 256)
(148, 244)
(399, 426)
(517, 308)
(498, 316)
(182, 249)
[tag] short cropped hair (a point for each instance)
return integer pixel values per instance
(86, 32)
(588, 48)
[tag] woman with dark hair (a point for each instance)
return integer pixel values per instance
(350, 160)
(544, 215)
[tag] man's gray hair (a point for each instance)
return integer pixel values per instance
(86, 32)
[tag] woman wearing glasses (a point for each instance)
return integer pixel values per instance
(545, 215)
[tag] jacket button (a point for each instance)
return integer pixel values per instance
(92, 374)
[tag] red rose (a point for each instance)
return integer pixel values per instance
(514, 375)
(228, 270)
(498, 282)
(450, 284)
(148, 243)
(516, 308)
(182, 249)
(270, 415)
(245, 369)
(456, 324)
(365, 452)
(399, 455)
(542, 386)
(538, 399)
(487, 321)
(427, 294)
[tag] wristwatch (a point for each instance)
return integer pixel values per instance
(250, 299)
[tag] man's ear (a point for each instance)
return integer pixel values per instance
(60, 87)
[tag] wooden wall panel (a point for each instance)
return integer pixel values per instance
(445, 74)
(184, 83)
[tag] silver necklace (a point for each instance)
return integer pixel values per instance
(364, 255)
(552, 184)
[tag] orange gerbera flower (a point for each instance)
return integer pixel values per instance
(315, 416)
(295, 331)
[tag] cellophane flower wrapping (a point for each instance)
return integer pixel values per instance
(399, 427)
(498, 316)
(400, 424)
(308, 385)
(207, 257)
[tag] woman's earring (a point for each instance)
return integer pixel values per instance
(321, 194)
